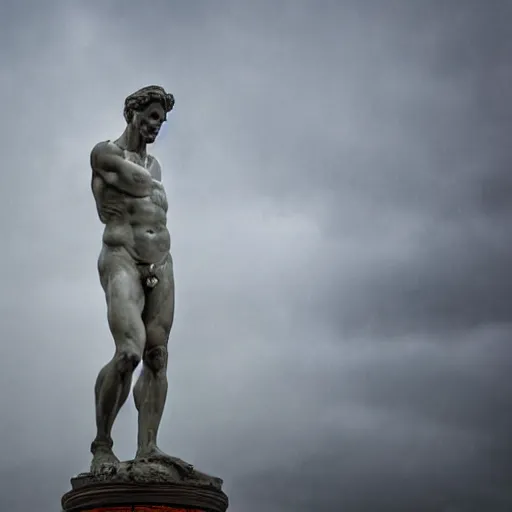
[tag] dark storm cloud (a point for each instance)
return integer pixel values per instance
(338, 176)
(435, 167)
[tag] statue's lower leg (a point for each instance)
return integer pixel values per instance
(111, 391)
(150, 393)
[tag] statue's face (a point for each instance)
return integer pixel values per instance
(149, 121)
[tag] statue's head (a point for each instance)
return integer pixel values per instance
(146, 110)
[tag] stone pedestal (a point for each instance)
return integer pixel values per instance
(146, 486)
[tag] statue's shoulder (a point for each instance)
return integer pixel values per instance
(102, 149)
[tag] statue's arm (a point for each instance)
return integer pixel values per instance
(107, 160)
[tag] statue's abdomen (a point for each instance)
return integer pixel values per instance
(150, 235)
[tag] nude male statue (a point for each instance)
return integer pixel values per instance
(136, 272)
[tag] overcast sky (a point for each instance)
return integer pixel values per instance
(340, 188)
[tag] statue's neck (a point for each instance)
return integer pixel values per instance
(132, 141)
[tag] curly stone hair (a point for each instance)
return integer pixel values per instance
(143, 97)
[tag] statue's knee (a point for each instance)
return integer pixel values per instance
(156, 358)
(156, 334)
(127, 360)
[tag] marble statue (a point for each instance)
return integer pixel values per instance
(136, 273)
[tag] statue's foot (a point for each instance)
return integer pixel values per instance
(104, 462)
(154, 453)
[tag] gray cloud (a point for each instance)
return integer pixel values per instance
(339, 185)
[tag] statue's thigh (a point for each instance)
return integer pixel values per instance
(125, 301)
(159, 309)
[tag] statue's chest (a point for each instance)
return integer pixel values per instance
(136, 159)
(158, 195)
(146, 162)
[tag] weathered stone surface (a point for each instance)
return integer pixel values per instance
(149, 471)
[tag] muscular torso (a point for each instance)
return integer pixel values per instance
(139, 224)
